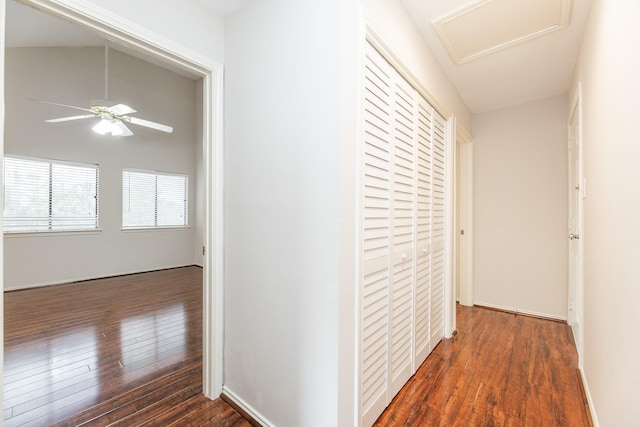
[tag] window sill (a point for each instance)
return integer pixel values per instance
(50, 233)
(145, 229)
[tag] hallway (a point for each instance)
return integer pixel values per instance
(501, 369)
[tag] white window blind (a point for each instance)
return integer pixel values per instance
(48, 195)
(153, 199)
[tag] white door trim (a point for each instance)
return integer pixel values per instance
(575, 113)
(129, 34)
(2, 43)
(464, 145)
(450, 233)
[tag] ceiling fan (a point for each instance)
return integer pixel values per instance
(112, 117)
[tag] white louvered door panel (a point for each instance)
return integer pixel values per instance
(402, 235)
(422, 298)
(438, 233)
(376, 242)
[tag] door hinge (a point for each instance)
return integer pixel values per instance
(203, 251)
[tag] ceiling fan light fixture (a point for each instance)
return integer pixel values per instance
(112, 117)
(106, 126)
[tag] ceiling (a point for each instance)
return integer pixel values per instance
(27, 27)
(222, 7)
(537, 68)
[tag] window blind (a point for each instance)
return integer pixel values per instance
(48, 195)
(153, 199)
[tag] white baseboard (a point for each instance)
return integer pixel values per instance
(592, 409)
(520, 311)
(246, 407)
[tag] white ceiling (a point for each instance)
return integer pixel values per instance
(222, 7)
(465, 33)
(536, 69)
(27, 27)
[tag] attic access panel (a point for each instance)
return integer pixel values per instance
(484, 27)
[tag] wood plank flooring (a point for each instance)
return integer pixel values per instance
(128, 351)
(117, 351)
(501, 369)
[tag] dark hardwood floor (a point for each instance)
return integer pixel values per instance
(501, 369)
(128, 351)
(117, 351)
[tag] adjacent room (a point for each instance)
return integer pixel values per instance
(103, 226)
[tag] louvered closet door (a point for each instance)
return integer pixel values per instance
(403, 235)
(402, 282)
(438, 232)
(377, 158)
(424, 166)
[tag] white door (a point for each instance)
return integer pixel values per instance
(403, 234)
(376, 238)
(424, 166)
(464, 212)
(438, 235)
(576, 193)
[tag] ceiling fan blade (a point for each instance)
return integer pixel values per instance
(68, 119)
(65, 105)
(125, 130)
(150, 124)
(121, 109)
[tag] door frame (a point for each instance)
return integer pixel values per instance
(126, 33)
(464, 212)
(575, 113)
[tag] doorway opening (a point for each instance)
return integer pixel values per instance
(576, 193)
(464, 218)
(140, 41)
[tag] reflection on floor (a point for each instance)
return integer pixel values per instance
(123, 348)
(501, 369)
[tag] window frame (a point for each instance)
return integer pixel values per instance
(156, 174)
(51, 230)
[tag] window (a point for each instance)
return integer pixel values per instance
(48, 195)
(153, 199)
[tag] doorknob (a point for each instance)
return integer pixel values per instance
(574, 236)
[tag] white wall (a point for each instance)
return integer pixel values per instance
(608, 68)
(520, 208)
(282, 188)
(188, 23)
(75, 76)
